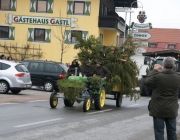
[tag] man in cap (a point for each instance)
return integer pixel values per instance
(101, 71)
(163, 106)
(88, 70)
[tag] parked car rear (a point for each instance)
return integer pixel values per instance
(45, 73)
(13, 76)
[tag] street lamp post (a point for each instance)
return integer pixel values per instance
(126, 11)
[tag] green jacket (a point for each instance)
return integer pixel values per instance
(164, 100)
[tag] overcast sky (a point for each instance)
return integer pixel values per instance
(161, 13)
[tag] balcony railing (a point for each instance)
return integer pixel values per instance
(114, 22)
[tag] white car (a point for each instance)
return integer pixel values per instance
(13, 76)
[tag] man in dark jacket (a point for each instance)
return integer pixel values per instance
(72, 68)
(88, 70)
(163, 105)
(101, 71)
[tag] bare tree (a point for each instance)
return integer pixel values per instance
(59, 33)
(24, 52)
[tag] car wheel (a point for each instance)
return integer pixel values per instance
(48, 86)
(15, 91)
(4, 87)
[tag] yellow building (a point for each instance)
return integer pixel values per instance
(49, 24)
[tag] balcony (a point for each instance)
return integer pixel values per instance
(112, 21)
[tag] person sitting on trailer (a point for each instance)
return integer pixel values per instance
(101, 71)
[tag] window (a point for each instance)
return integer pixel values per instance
(51, 68)
(4, 32)
(171, 46)
(5, 4)
(5, 66)
(153, 45)
(33, 67)
(21, 68)
(79, 8)
(42, 6)
(73, 34)
(39, 34)
(147, 60)
(70, 36)
(25, 63)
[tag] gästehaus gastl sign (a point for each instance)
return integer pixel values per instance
(41, 20)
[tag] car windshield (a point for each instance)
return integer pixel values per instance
(21, 68)
(159, 61)
(65, 68)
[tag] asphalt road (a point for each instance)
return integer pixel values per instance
(28, 116)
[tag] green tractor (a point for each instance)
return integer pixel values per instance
(79, 89)
(157, 57)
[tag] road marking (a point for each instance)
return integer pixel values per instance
(132, 105)
(38, 101)
(8, 103)
(99, 111)
(29, 124)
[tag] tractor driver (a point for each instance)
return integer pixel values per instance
(88, 70)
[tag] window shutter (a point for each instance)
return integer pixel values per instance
(48, 35)
(13, 5)
(50, 6)
(85, 35)
(87, 8)
(11, 33)
(30, 34)
(70, 7)
(67, 35)
(32, 5)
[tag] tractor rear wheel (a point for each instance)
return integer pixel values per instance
(99, 99)
(118, 100)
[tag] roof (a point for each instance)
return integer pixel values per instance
(163, 35)
(164, 53)
(125, 3)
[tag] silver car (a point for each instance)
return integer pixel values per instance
(14, 76)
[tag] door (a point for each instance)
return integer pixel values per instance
(36, 70)
(52, 72)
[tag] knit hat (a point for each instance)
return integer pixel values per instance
(88, 61)
(98, 62)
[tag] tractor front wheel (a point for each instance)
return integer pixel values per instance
(68, 103)
(53, 100)
(87, 104)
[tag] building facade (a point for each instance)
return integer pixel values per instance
(162, 39)
(47, 25)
